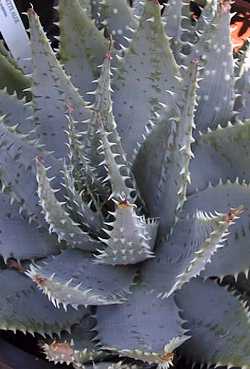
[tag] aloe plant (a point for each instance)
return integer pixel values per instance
(125, 187)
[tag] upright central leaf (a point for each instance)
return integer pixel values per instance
(123, 247)
(146, 72)
(103, 130)
(52, 89)
(216, 92)
(162, 164)
(57, 217)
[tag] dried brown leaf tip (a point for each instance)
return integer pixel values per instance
(225, 6)
(124, 204)
(63, 348)
(59, 351)
(14, 264)
(233, 214)
(166, 360)
(39, 280)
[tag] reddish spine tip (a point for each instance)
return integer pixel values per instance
(124, 204)
(40, 159)
(70, 108)
(196, 61)
(225, 6)
(108, 55)
(39, 280)
(232, 214)
(63, 348)
(167, 357)
(31, 11)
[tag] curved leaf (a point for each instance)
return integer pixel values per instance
(216, 88)
(152, 327)
(72, 278)
(19, 239)
(52, 89)
(148, 59)
(236, 249)
(17, 170)
(16, 111)
(181, 257)
(221, 154)
(161, 166)
(18, 292)
(218, 323)
(216, 228)
(104, 129)
(78, 346)
(57, 217)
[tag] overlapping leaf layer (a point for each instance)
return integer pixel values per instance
(124, 169)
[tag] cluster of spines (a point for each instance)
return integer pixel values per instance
(83, 188)
(217, 231)
(56, 216)
(114, 160)
(129, 239)
(69, 290)
(64, 352)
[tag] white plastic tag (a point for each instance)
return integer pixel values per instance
(14, 33)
